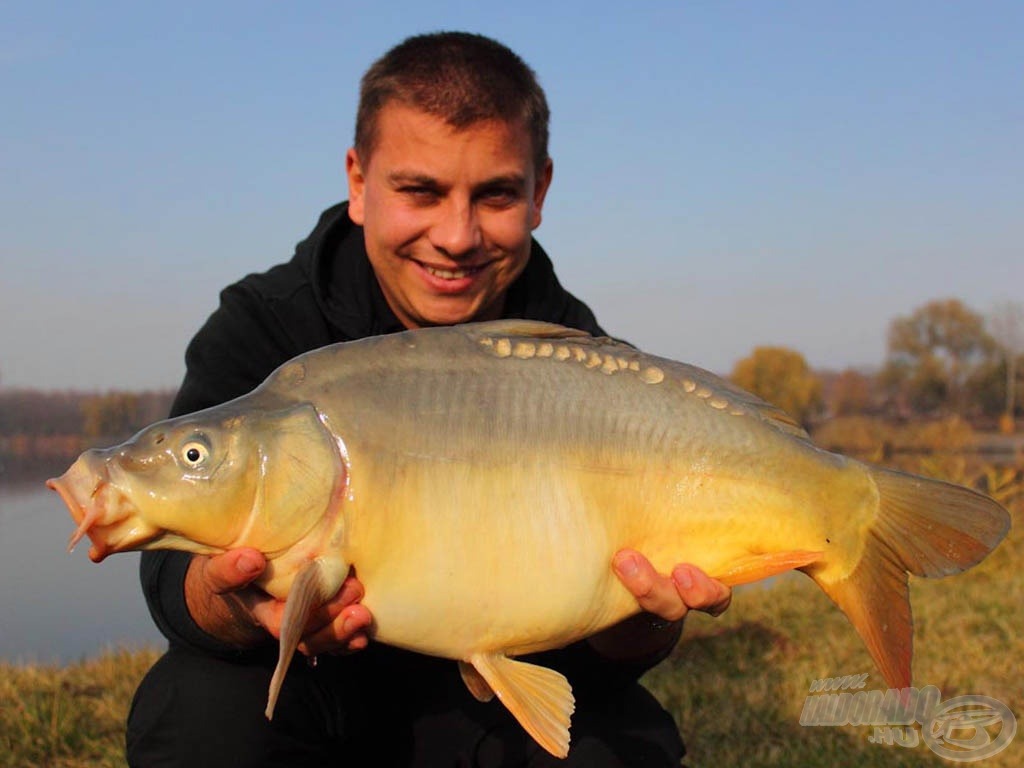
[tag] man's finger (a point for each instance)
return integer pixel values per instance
(699, 591)
(656, 594)
(351, 592)
(232, 570)
(346, 633)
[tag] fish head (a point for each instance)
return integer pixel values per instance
(229, 476)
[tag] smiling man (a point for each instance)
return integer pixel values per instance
(447, 180)
(447, 212)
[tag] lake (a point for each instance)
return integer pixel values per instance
(56, 607)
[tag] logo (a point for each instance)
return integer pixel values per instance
(963, 729)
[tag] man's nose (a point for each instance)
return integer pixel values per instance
(456, 232)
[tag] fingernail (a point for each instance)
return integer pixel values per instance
(248, 565)
(627, 565)
(351, 625)
(683, 577)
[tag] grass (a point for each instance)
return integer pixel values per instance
(735, 684)
(68, 717)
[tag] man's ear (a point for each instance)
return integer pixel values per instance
(356, 187)
(540, 190)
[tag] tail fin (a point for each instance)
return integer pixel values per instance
(925, 527)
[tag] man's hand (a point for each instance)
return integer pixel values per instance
(666, 601)
(670, 597)
(220, 597)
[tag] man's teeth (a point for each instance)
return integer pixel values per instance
(451, 274)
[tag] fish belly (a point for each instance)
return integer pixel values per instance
(456, 562)
(458, 559)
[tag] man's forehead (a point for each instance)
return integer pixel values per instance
(396, 108)
(397, 117)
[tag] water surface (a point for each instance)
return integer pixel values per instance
(56, 607)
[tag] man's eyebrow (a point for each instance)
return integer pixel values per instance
(398, 178)
(509, 179)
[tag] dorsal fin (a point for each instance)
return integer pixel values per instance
(520, 327)
(783, 421)
(774, 415)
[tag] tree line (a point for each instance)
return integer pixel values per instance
(943, 359)
(57, 425)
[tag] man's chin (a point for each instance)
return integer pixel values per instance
(453, 312)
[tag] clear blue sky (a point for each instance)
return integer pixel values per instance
(727, 174)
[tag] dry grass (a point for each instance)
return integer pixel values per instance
(68, 717)
(872, 438)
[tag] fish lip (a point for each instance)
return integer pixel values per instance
(70, 487)
(86, 491)
(76, 488)
(60, 485)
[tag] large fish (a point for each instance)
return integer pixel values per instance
(481, 477)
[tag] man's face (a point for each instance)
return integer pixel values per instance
(447, 214)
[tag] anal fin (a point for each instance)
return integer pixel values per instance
(876, 599)
(539, 698)
(752, 568)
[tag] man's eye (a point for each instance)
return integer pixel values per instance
(500, 196)
(420, 194)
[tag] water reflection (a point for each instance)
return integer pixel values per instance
(55, 606)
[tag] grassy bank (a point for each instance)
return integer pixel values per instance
(736, 684)
(68, 717)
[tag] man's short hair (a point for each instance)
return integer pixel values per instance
(462, 78)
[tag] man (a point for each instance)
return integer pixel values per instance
(447, 181)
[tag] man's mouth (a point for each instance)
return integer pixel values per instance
(459, 273)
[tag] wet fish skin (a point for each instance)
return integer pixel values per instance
(481, 477)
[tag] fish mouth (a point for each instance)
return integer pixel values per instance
(100, 510)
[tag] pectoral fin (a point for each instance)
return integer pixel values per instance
(539, 698)
(756, 567)
(477, 685)
(315, 583)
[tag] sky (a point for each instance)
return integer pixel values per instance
(727, 174)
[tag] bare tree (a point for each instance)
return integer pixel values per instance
(1006, 326)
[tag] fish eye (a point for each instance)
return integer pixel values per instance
(194, 453)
